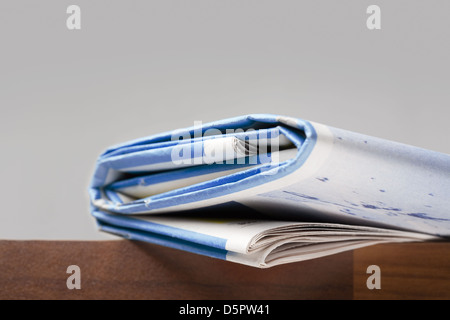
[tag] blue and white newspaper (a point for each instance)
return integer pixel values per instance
(319, 190)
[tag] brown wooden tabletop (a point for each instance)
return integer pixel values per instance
(125, 269)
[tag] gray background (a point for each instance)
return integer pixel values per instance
(140, 67)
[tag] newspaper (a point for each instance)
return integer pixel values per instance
(319, 190)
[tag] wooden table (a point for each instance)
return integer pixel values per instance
(125, 269)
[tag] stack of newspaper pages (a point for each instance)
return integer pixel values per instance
(264, 190)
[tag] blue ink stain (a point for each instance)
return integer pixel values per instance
(381, 190)
(391, 214)
(369, 206)
(431, 195)
(347, 211)
(324, 179)
(351, 203)
(425, 216)
(392, 209)
(301, 195)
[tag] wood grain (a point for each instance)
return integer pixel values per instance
(125, 269)
(133, 270)
(408, 271)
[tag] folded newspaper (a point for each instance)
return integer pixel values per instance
(316, 190)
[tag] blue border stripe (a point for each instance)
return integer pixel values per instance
(112, 195)
(161, 229)
(184, 173)
(272, 132)
(303, 135)
(230, 184)
(164, 241)
(143, 155)
(243, 122)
